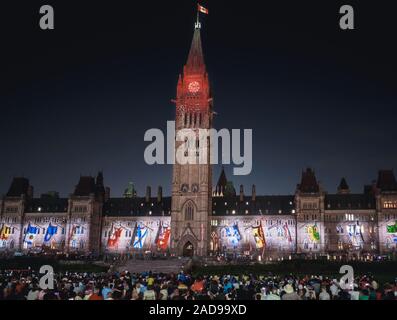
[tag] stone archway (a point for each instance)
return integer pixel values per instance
(188, 250)
(187, 246)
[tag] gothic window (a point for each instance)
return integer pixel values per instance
(74, 244)
(189, 212)
(185, 188)
(195, 188)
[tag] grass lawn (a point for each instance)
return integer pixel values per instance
(384, 271)
(23, 263)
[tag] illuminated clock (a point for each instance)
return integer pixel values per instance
(194, 87)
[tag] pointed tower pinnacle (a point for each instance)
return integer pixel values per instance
(222, 182)
(343, 187)
(197, 25)
(195, 62)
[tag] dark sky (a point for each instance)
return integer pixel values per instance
(80, 98)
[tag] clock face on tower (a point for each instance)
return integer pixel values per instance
(194, 87)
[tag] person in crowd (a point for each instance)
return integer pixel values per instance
(272, 295)
(355, 294)
(324, 295)
(33, 293)
(96, 295)
(149, 294)
(290, 293)
(335, 289)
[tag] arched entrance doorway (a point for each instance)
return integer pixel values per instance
(188, 250)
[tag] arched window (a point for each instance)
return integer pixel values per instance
(189, 212)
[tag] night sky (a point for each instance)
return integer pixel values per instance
(80, 98)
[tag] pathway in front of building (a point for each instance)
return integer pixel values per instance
(156, 266)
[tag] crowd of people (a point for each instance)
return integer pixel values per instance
(25, 285)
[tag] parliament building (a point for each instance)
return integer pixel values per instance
(200, 219)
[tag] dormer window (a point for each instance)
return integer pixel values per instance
(390, 205)
(11, 209)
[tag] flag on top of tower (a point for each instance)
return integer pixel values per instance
(202, 9)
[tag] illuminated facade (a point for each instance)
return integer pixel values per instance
(310, 222)
(199, 219)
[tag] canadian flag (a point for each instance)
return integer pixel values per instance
(202, 9)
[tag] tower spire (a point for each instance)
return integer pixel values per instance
(195, 61)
